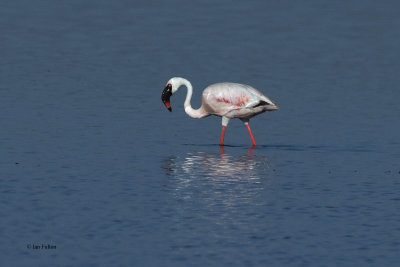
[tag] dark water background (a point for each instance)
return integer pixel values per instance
(93, 163)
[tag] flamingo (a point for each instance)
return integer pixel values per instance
(226, 100)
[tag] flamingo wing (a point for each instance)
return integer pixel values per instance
(222, 98)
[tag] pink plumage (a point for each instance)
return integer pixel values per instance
(234, 100)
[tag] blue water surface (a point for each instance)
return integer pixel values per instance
(94, 170)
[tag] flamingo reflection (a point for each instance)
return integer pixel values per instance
(219, 178)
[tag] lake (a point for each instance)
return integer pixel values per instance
(95, 171)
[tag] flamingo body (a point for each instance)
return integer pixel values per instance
(233, 100)
(226, 100)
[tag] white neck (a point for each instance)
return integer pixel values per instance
(194, 113)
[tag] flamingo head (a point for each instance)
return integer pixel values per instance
(166, 95)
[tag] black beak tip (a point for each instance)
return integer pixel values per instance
(165, 96)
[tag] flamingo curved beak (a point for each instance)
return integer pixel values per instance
(165, 96)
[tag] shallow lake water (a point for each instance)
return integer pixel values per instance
(95, 171)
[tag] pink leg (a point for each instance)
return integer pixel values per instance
(251, 134)
(222, 135)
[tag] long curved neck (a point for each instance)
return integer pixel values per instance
(194, 113)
